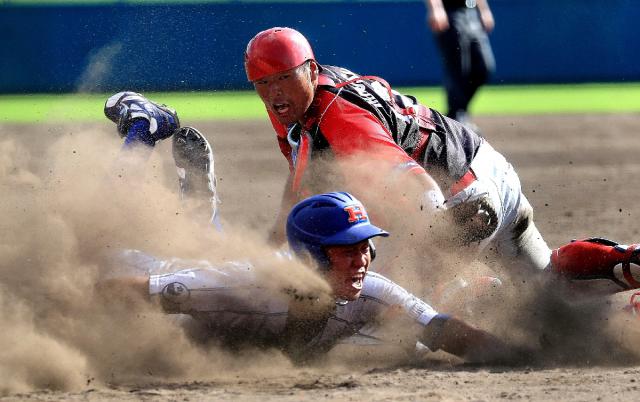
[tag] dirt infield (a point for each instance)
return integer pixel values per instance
(579, 172)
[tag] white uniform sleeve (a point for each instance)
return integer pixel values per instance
(205, 288)
(226, 298)
(170, 286)
(378, 287)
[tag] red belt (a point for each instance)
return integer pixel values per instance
(463, 183)
(422, 144)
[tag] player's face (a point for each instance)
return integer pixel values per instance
(349, 265)
(289, 94)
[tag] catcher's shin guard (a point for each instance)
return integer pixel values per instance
(193, 156)
(597, 258)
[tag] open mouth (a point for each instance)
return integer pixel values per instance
(281, 108)
(356, 281)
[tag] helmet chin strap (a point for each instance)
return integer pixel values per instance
(372, 250)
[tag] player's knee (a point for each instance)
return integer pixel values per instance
(526, 243)
(523, 223)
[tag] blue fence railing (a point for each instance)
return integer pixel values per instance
(195, 45)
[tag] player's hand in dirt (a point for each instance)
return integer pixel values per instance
(473, 345)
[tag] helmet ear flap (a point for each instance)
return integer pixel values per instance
(372, 250)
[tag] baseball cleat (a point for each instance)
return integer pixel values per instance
(193, 156)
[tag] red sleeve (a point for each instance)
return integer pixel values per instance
(351, 130)
(281, 132)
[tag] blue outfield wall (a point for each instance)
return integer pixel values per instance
(200, 46)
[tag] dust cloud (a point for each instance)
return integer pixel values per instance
(99, 68)
(68, 206)
(559, 323)
(65, 210)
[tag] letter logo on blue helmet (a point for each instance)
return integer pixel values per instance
(330, 219)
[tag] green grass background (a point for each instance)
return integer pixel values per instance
(194, 106)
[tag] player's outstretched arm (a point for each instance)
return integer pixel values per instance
(433, 198)
(474, 345)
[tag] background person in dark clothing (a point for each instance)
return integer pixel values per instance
(460, 28)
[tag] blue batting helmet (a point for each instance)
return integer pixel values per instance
(330, 219)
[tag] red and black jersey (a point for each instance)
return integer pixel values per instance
(354, 114)
(449, 150)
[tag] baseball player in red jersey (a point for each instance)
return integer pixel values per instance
(317, 109)
(310, 120)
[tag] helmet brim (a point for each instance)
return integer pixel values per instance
(354, 235)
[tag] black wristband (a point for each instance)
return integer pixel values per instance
(433, 330)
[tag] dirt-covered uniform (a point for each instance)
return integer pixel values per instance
(352, 114)
(235, 308)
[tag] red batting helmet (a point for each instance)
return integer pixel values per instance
(274, 51)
